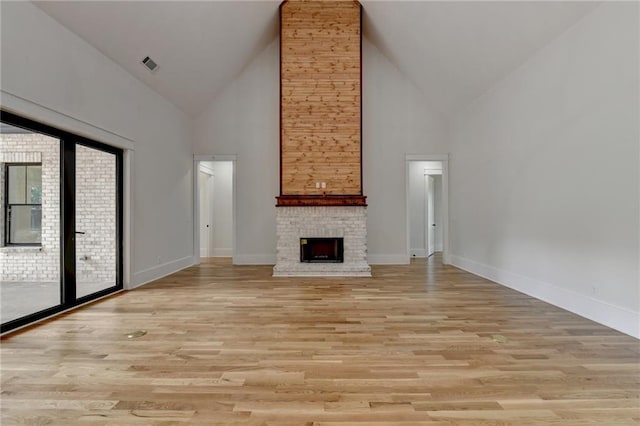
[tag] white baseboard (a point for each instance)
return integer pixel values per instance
(388, 259)
(222, 252)
(415, 252)
(156, 272)
(254, 259)
(619, 318)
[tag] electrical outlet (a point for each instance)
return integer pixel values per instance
(317, 185)
(324, 185)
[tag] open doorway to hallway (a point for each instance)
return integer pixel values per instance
(215, 209)
(427, 206)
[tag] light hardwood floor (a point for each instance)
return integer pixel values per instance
(419, 344)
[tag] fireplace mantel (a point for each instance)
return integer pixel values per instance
(320, 200)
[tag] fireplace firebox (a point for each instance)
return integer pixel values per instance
(322, 250)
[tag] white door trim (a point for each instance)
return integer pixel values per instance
(196, 202)
(444, 158)
(429, 219)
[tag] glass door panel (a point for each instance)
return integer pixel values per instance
(30, 231)
(96, 220)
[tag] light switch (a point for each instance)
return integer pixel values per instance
(317, 184)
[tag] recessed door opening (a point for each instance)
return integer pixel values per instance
(426, 207)
(215, 208)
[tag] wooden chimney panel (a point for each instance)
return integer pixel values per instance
(320, 97)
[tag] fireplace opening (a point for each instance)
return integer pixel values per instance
(322, 250)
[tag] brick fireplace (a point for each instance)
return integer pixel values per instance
(321, 137)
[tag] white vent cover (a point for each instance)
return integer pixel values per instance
(150, 64)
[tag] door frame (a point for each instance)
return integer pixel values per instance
(196, 202)
(444, 158)
(68, 142)
(428, 228)
(209, 175)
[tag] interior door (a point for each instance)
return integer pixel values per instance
(430, 223)
(205, 214)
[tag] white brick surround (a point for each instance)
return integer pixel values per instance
(294, 223)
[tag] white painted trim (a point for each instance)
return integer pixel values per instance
(222, 252)
(388, 259)
(616, 317)
(254, 259)
(127, 258)
(222, 157)
(444, 158)
(197, 158)
(446, 242)
(432, 172)
(43, 114)
(156, 272)
(206, 169)
(418, 252)
(426, 157)
(196, 210)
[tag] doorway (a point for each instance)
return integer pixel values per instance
(427, 210)
(215, 207)
(61, 214)
(433, 207)
(205, 177)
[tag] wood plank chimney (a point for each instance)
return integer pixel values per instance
(321, 200)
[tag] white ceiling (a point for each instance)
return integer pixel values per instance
(453, 51)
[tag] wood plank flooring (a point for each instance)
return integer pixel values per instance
(421, 344)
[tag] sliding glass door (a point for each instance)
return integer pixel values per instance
(96, 234)
(61, 220)
(30, 252)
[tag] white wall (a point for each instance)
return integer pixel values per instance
(49, 66)
(544, 173)
(397, 120)
(244, 120)
(417, 211)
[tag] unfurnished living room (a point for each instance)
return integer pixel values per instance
(312, 212)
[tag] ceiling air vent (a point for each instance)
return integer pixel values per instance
(150, 64)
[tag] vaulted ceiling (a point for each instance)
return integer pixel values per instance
(200, 46)
(452, 51)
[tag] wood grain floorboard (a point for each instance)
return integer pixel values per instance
(423, 344)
